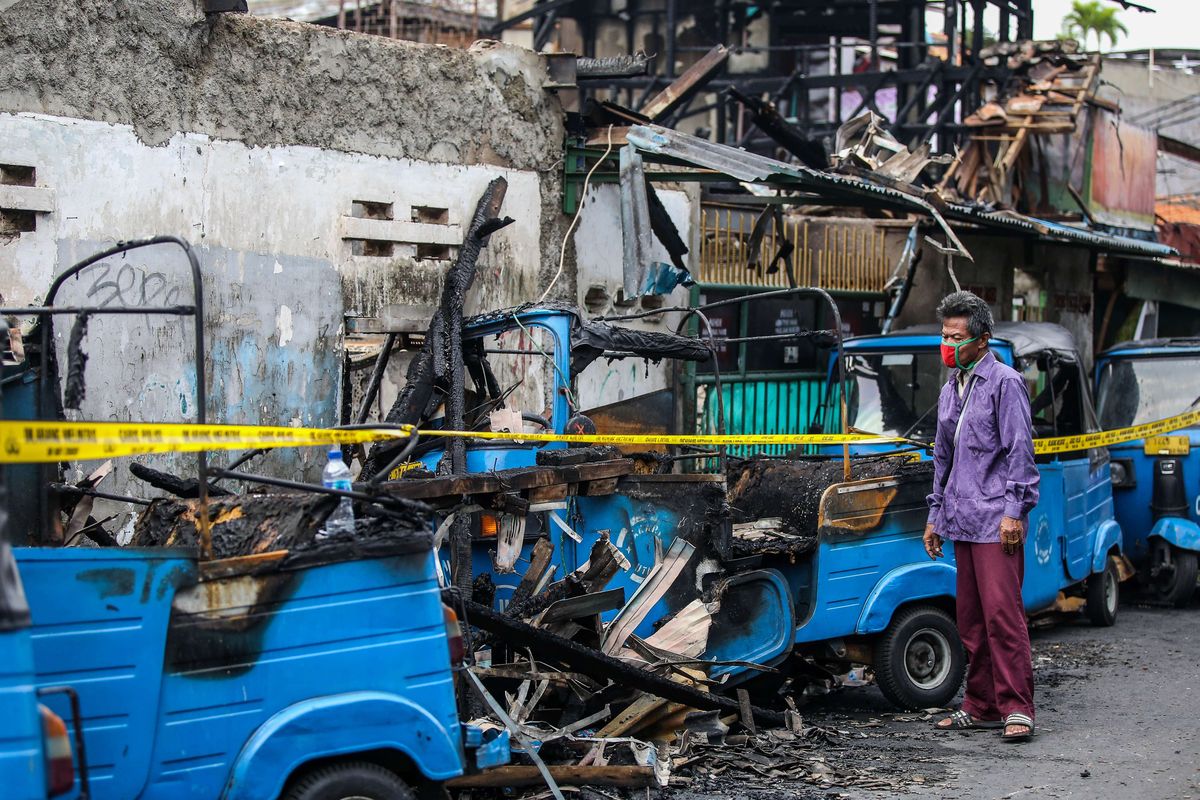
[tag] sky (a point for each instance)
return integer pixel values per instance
(1175, 25)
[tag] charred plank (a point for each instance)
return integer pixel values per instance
(597, 665)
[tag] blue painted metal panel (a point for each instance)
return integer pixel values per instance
(1079, 548)
(1108, 538)
(343, 629)
(22, 758)
(642, 530)
(177, 678)
(904, 584)
(100, 625)
(1182, 533)
(328, 726)
(851, 573)
(755, 622)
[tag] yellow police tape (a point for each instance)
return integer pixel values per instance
(42, 442)
(24, 442)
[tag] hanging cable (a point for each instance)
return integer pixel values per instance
(562, 255)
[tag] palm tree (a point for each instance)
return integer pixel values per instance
(1091, 16)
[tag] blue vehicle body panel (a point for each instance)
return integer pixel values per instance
(100, 625)
(22, 759)
(188, 687)
(765, 634)
(338, 725)
(1132, 503)
(1182, 533)
(1108, 540)
(849, 569)
(902, 585)
(22, 747)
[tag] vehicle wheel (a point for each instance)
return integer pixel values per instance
(1172, 572)
(353, 780)
(920, 661)
(1103, 595)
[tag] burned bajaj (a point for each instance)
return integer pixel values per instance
(1073, 545)
(1155, 489)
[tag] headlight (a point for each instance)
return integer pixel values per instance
(1121, 471)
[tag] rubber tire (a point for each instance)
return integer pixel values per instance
(350, 779)
(1097, 607)
(890, 672)
(1185, 577)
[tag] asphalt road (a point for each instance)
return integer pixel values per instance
(1118, 717)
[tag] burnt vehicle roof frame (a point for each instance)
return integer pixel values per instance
(48, 311)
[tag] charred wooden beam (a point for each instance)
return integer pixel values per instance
(516, 775)
(186, 488)
(593, 663)
(786, 135)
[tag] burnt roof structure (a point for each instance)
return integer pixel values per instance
(818, 63)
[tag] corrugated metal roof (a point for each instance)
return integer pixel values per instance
(1056, 231)
(754, 168)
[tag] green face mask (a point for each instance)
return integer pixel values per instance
(950, 354)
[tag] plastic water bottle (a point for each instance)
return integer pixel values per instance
(337, 476)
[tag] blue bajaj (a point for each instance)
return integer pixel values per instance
(1156, 481)
(1074, 543)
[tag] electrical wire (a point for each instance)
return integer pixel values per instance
(562, 255)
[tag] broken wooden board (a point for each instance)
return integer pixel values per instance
(509, 480)
(580, 658)
(686, 634)
(686, 85)
(651, 590)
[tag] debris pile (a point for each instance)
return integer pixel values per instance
(565, 670)
(1007, 157)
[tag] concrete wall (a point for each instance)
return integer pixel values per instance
(301, 162)
(1140, 92)
(598, 281)
(1052, 283)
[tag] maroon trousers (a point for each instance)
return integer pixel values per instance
(991, 622)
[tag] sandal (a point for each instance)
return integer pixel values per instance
(961, 721)
(1017, 719)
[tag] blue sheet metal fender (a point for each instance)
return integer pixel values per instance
(767, 636)
(1182, 533)
(1108, 536)
(903, 585)
(336, 725)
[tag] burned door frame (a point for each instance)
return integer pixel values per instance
(49, 405)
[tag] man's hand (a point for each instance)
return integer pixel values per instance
(933, 542)
(1012, 534)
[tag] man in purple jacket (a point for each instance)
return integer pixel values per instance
(985, 483)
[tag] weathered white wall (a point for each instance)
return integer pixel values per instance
(598, 252)
(270, 225)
